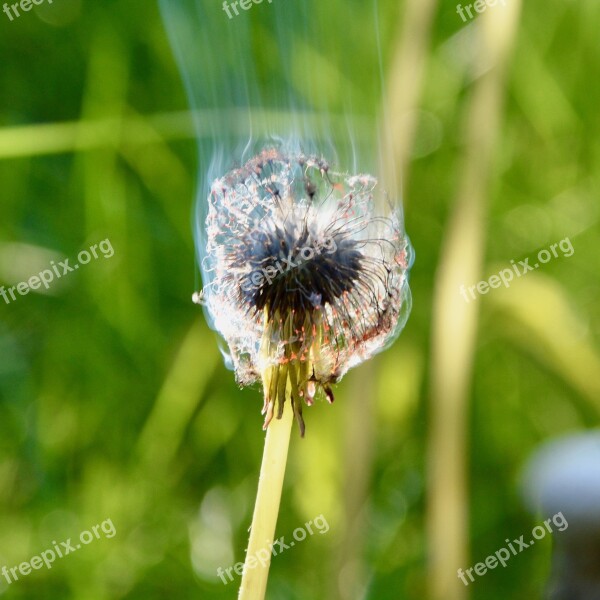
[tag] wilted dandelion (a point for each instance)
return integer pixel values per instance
(305, 267)
(306, 280)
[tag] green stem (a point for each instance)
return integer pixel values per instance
(266, 509)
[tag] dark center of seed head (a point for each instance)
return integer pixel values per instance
(298, 273)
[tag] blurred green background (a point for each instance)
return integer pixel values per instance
(115, 402)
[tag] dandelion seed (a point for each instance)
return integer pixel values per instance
(306, 280)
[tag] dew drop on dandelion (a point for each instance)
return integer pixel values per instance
(300, 239)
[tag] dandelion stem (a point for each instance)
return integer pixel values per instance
(266, 509)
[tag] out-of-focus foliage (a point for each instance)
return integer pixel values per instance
(114, 400)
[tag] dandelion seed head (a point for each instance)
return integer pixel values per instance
(306, 280)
